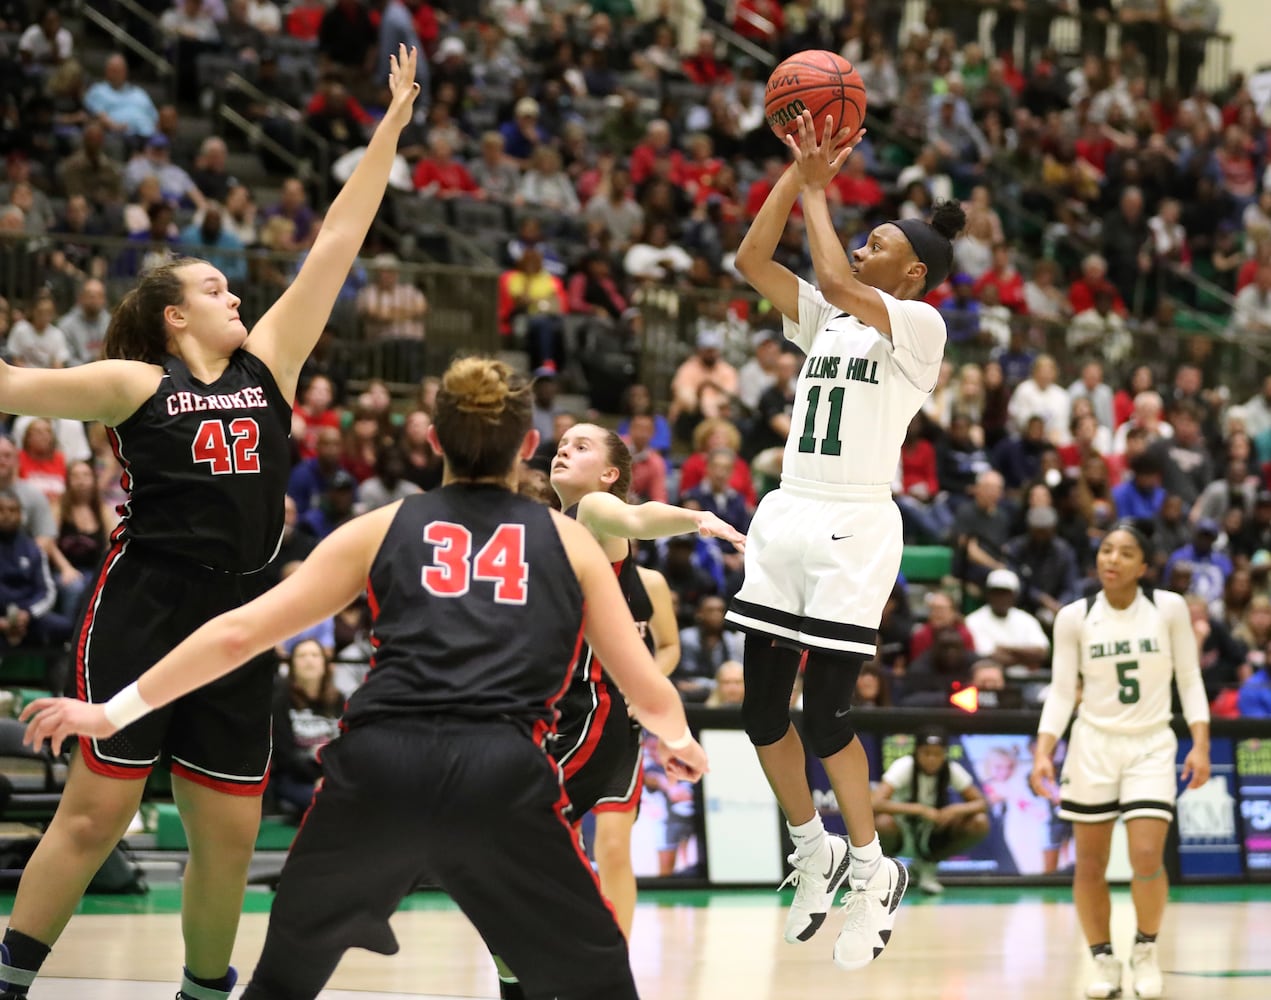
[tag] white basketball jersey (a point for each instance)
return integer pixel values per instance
(1126, 660)
(858, 389)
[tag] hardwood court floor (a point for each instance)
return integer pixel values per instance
(973, 943)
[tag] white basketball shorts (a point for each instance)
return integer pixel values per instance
(821, 563)
(1107, 775)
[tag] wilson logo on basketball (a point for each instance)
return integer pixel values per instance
(787, 114)
(777, 82)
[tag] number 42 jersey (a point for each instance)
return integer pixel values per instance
(206, 466)
(858, 389)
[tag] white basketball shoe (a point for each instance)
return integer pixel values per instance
(1145, 972)
(1105, 981)
(816, 881)
(871, 909)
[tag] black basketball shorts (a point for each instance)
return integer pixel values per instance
(144, 604)
(598, 748)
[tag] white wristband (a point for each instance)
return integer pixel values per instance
(684, 741)
(126, 707)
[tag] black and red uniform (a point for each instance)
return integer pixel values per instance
(205, 469)
(597, 741)
(443, 768)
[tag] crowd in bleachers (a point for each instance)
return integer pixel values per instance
(609, 154)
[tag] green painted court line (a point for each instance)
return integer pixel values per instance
(1226, 974)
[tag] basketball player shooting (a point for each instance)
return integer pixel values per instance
(824, 550)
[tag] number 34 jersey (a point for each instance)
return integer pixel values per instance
(206, 466)
(858, 389)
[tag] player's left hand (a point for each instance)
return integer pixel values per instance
(1196, 766)
(401, 82)
(711, 526)
(57, 718)
(819, 161)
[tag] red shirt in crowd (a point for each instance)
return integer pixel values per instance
(925, 635)
(643, 158)
(693, 471)
(859, 192)
(1081, 297)
(1010, 289)
(706, 70)
(918, 465)
(449, 176)
(697, 175)
(758, 194)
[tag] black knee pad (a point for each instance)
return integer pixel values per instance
(769, 672)
(829, 681)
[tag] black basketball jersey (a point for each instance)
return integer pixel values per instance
(206, 466)
(476, 611)
(638, 602)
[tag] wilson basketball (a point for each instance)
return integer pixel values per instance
(821, 82)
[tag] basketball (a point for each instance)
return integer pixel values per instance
(821, 82)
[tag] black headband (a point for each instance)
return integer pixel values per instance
(1137, 533)
(930, 247)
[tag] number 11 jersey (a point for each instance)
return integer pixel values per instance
(205, 466)
(858, 389)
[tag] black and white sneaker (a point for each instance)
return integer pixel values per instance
(816, 882)
(871, 912)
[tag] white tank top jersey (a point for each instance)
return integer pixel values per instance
(1125, 660)
(858, 389)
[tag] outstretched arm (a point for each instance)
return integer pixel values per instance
(333, 576)
(816, 164)
(107, 391)
(286, 335)
(605, 514)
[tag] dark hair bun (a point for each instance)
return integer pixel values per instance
(948, 219)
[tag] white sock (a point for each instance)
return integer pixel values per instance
(865, 860)
(809, 838)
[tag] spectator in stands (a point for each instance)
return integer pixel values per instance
(37, 342)
(211, 241)
(389, 483)
(84, 520)
(654, 258)
(1094, 276)
(1142, 495)
(294, 546)
(1252, 313)
(982, 530)
(397, 28)
(175, 185)
(715, 493)
(312, 477)
(239, 33)
(1209, 568)
(1100, 329)
(1091, 386)
(41, 463)
(959, 460)
(293, 205)
(313, 410)
(307, 708)
(440, 175)
(1255, 691)
(941, 616)
(929, 679)
(703, 384)
(648, 467)
(333, 507)
(392, 314)
(712, 434)
(26, 585)
(637, 400)
(1043, 299)
(90, 172)
(1145, 419)
(919, 486)
(524, 133)
(1046, 564)
(767, 438)
(1257, 411)
(760, 372)
(45, 44)
(545, 184)
(729, 690)
(423, 465)
(347, 36)
(1238, 489)
(705, 646)
(534, 301)
(1018, 457)
(210, 175)
(84, 327)
(1041, 396)
(1222, 656)
(545, 411)
(1185, 460)
(616, 209)
(1003, 275)
(656, 146)
(493, 174)
(122, 108)
(1003, 632)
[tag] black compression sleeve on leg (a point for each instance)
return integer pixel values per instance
(770, 672)
(829, 681)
